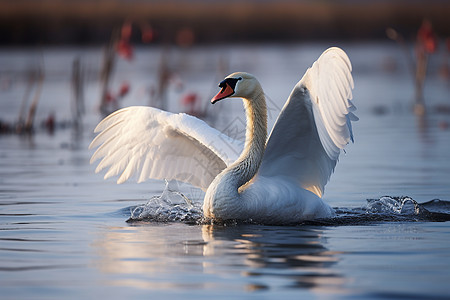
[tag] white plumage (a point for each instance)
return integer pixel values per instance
(152, 143)
(276, 180)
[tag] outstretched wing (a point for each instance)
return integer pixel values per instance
(314, 124)
(151, 143)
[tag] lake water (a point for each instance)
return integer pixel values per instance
(63, 229)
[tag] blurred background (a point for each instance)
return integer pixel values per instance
(65, 64)
(61, 58)
(86, 22)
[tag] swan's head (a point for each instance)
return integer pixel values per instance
(237, 85)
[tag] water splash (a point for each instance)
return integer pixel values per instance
(170, 206)
(389, 209)
(393, 205)
(173, 206)
(407, 209)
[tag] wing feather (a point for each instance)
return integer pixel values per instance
(332, 66)
(149, 143)
(314, 125)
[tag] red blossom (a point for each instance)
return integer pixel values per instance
(148, 34)
(185, 37)
(50, 122)
(124, 89)
(123, 46)
(109, 97)
(125, 33)
(189, 99)
(124, 49)
(426, 37)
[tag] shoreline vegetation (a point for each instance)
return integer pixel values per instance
(55, 22)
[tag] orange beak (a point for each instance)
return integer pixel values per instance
(225, 92)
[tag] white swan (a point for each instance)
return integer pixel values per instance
(279, 180)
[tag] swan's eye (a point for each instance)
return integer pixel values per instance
(223, 85)
(231, 82)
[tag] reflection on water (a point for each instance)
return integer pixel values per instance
(165, 256)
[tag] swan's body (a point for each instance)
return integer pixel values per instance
(279, 180)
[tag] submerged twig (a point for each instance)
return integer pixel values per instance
(34, 103)
(35, 79)
(109, 57)
(78, 92)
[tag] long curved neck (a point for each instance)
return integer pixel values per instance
(223, 197)
(247, 165)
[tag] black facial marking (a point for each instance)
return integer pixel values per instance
(230, 81)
